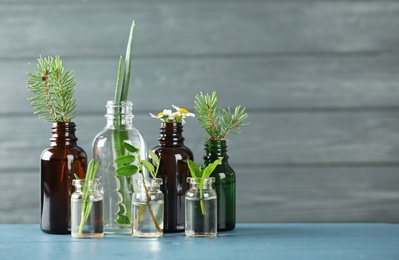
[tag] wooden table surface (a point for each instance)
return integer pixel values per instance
(251, 241)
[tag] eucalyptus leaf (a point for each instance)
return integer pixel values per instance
(127, 170)
(130, 148)
(154, 157)
(148, 166)
(125, 159)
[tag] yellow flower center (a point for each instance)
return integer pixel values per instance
(160, 114)
(183, 110)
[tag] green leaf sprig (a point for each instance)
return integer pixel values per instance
(53, 88)
(127, 168)
(86, 202)
(218, 123)
(199, 174)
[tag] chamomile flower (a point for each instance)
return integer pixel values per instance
(184, 112)
(178, 116)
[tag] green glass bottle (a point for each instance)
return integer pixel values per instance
(225, 184)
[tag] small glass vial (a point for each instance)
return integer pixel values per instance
(147, 208)
(87, 213)
(201, 208)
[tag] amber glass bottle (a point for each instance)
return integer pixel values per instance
(174, 172)
(225, 184)
(59, 162)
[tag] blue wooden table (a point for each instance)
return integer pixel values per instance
(247, 241)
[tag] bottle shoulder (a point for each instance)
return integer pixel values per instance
(161, 149)
(194, 193)
(62, 151)
(223, 171)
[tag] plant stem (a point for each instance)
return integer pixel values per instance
(202, 203)
(148, 204)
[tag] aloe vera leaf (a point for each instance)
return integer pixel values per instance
(128, 65)
(124, 202)
(118, 87)
(124, 183)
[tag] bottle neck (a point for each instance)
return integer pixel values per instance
(92, 185)
(119, 114)
(171, 134)
(63, 134)
(196, 182)
(214, 150)
(150, 184)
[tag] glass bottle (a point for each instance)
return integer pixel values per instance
(225, 184)
(91, 201)
(173, 171)
(59, 163)
(147, 208)
(201, 208)
(107, 146)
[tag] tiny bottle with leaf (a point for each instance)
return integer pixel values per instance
(147, 200)
(53, 89)
(87, 211)
(218, 123)
(201, 202)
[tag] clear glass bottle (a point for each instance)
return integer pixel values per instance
(201, 208)
(87, 204)
(107, 146)
(173, 171)
(147, 208)
(225, 184)
(59, 163)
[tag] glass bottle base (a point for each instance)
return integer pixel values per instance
(118, 231)
(200, 234)
(147, 235)
(99, 235)
(226, 227)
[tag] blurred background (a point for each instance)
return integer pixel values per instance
(320, 80)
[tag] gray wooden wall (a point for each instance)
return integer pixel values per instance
(319, 78)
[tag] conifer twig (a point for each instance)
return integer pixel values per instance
(218, 123)
(53, 88)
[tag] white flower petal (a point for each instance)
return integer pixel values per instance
(167, 112)
(153, 116)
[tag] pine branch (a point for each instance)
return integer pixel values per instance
(231, 121)
(218, 123)
(53, 89)
(208, 113)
